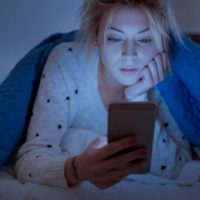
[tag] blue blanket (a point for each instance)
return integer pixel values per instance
(181, 91)
(18, 91)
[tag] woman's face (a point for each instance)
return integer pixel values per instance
(127, 47)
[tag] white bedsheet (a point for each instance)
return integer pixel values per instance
(12, 189)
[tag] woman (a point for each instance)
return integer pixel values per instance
(123, 54)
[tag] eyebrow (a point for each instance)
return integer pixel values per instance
(118, 30)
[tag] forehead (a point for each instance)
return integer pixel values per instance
(125, 16)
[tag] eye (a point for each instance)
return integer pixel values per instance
(114, 39)
(145, 41)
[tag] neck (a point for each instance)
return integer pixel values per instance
(110, 90)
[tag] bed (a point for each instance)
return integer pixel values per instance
(12, 189)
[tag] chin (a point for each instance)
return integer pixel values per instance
(129, 82)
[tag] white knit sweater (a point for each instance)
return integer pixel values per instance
(69, 114)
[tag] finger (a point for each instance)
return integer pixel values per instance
(133, 168)
(96, 143)
(117, 175)
(153, 70)
(142, 85)
(136, 89)
(116, 146)
(160, 67)
(119, 162)
(124, 158)
(104, 185)
(165, 64)
(99, 142)
(148, 79)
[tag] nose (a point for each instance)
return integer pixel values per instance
(130, 50)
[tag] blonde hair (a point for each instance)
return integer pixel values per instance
(159, 14)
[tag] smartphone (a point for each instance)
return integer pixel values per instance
(138, 118)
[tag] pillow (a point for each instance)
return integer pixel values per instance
(18, 91)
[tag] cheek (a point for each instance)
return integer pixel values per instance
(149, 54)
(108, 55)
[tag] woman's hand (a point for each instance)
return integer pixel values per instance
(152, 74)
(98, 166)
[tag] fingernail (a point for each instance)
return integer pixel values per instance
(132, 140)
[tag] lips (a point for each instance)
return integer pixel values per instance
(129, 69)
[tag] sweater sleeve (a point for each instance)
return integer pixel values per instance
(41, 158)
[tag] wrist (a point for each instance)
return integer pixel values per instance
(71, 174)
(75, 169)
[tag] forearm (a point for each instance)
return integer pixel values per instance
(51, 165)
(42, 169)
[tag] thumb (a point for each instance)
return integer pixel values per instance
(99, 142)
